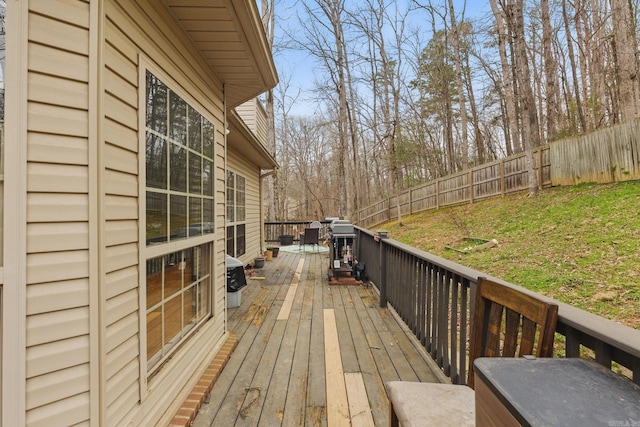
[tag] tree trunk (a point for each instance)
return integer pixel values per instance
(507, 81)
(574, 70)
(481, 150)
(626, 48)
(583, 36)
(550, 71)
(460, 85)
(268, 21)
(529, 120)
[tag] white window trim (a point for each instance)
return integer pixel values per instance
(15, 217)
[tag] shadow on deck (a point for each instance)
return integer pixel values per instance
(309, 353)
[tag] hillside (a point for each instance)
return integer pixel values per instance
(578, 244)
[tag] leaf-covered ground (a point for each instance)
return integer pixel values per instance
(580, 245)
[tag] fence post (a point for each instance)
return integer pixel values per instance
(410, 201)
(471, 185)
(502, 183)
(540, 168)
(382, 263)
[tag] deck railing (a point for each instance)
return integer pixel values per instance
(273, 230)
(434, 296)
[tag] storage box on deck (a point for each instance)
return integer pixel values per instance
(236, 280)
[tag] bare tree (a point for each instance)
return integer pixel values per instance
(481, 149)
(574, 68)
(550, 72)
(310, 153)
(530, 128)
(401, 113)
(324, 39)
(268, 23)
(374, 22)
(284, 147)
(626, 55)
(513, 136)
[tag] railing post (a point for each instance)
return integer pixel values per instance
(382, 263)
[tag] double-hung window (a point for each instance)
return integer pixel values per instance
(236, 214)
(179, 218)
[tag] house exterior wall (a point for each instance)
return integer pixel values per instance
(255, 117)
(58, 225)
(77, 275)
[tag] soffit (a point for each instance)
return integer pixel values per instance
(230, 37)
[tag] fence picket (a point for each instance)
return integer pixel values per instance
(608, 155)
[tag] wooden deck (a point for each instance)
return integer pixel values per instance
(309, 353)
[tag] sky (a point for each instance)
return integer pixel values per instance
(299, 67)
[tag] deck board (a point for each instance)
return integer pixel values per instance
(277, 373)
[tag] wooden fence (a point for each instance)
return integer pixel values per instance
(493, 179)
(608, 155)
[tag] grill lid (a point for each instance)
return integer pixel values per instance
(341, 226)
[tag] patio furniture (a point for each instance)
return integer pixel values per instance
(236, 280)
(286, 239)
(506, 323)
(309, 237)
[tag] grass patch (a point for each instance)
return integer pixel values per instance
(577, 244)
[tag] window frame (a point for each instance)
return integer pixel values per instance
(151, 364)
(176, 194)
(236, 227)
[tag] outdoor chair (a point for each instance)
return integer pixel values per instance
(318, 225)
(310, 237)
(506, 323)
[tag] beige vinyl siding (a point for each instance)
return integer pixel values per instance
(132, 34)
(220, 246)
(58, 296)
(57, 324)
(261, 124)
(120, 175)
(57, 149)
(83, 212)
(254, 116)
(251, 173)
(247, 112)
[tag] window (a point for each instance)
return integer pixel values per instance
(236, 214)
(179, 218)
(179, 167)
(178, 295)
